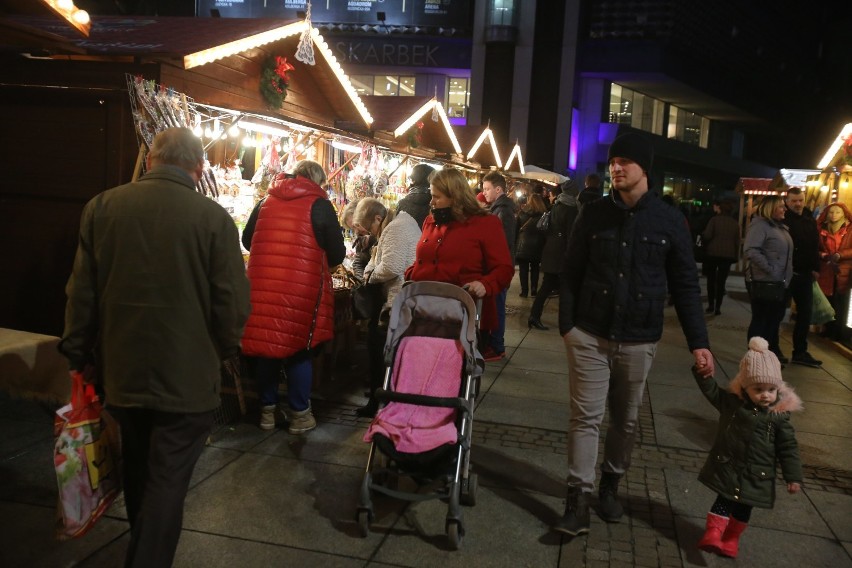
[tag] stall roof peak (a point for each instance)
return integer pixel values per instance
(184, 41)
(397, 115)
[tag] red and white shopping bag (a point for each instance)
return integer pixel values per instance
(87, 459)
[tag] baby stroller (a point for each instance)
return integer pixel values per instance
(423, 428)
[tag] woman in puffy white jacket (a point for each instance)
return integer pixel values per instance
(394, 252)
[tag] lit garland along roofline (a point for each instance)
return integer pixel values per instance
(238, 46)
(490, 135)
(418, 114)
(516, 152)
(835, 146)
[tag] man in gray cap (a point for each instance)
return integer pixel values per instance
(416, 203)
(624, 253)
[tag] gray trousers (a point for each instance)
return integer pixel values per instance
(601, 370)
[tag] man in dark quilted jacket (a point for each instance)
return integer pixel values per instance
(626, 251)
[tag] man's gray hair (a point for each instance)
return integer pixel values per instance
(177, 146)
(311, 170)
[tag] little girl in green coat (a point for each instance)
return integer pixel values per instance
(754, 434)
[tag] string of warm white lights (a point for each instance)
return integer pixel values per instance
(516, 153)
(482, 137)
(71, 13)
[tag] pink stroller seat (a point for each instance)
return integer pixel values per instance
(429, 366)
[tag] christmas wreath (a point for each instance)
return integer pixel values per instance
(274, 81)
(415, 135)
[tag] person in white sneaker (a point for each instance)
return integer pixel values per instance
(294, 240)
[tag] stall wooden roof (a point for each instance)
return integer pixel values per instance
(394, 116)
(838, 152)
(479, 145)
(754, 185)
(787, 178)
(217, 61)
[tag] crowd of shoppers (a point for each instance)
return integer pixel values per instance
(163, 322)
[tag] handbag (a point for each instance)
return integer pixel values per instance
(543, 223)
(822, 310)
(367, 300)
(87, 460)
(767, 290)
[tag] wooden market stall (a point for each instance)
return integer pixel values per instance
(76, 131)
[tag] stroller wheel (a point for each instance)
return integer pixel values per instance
(364, 522)
(455, 534)
(468, 490)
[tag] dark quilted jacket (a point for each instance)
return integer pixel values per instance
(750, 442)
(618, 267)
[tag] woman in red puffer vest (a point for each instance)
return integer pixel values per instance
(294, 238)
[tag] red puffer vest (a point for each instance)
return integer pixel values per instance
(292, 301)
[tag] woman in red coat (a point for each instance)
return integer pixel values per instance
(835, 254)
(462, 244)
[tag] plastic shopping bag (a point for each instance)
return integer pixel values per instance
(87, 459)
(822, 312)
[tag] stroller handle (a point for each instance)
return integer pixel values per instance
(476, 299)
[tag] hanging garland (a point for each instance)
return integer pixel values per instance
(847, 151)
(274, 81)
(415, 135)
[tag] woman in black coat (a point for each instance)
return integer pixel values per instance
(562, 215)
(530, 242)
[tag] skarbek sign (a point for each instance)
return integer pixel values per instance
(454, 54)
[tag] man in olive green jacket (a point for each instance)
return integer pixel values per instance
(159, 292)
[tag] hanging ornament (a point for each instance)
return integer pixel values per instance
(305, 49)
(435, 117)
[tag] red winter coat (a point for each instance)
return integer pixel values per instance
(461, 252)
(292, 301)
(835, 277)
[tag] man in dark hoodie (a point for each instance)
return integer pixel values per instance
(805, 235)
(494, 188)
(416, 203)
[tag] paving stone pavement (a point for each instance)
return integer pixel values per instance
(270, 499)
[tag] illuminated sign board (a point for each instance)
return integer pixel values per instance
(427, 13)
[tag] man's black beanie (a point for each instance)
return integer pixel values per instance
(634, 147)
(420, 174)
